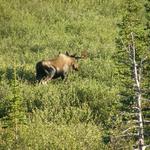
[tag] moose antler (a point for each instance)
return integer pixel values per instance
(84, 54)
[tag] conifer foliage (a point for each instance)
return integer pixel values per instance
(133, 56)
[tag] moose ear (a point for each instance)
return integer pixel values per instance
(67, 53)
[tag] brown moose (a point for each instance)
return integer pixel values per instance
(58, 67)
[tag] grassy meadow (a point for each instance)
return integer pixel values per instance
(79, 113)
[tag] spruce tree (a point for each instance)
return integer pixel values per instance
(132, 61)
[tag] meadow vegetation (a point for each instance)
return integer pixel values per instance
(79, 113)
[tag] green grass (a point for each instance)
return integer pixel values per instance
(60, 115)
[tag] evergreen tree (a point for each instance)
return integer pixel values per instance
(15, 114)
(132, 61)
(147, 7)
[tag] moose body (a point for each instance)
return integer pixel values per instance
(54, 68)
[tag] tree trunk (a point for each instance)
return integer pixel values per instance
(137, 79)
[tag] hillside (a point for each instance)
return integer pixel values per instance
(79, 113)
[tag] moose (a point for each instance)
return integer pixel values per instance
(47, 70)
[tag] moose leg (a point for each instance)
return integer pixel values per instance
(64, 76)
(50, 72)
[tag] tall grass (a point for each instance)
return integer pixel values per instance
(60, 115)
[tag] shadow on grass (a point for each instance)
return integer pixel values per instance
(25, 75)
(21, 74)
